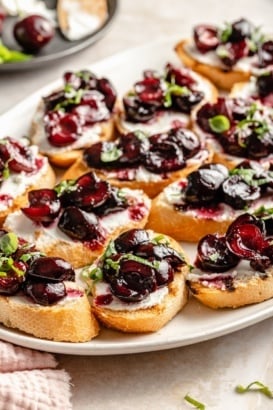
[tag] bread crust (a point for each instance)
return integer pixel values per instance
(66, 158)
(221, 78)
(150, 319)
(47, 180)
(151, 188)
(68, 322)
(183, 227)
(254, 290)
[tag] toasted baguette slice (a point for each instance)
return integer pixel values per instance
(219, 76)
(53, 242)
(68, 321)
(85, 16)
(149, 319)
(64, 157)
(46, 179)
(183, 226)
(248, 287)
(146, 320)
(166, 119)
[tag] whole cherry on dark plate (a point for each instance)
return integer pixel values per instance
(33, 32)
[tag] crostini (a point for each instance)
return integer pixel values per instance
(237, 129)
(209, 199)
(139, 161)
(159, 102)
(235, 269)
(73, 117)
(258, 88)
(77, 218)
(138, 284)
(226, 55)
(22, 168)
(39, 296)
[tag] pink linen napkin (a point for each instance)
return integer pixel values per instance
(29, 380)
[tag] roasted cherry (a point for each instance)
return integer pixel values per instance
(137, 110)
(129, 240)
(214, 255)
(78, 224)
(45, 269)
(33, 32)
(164, 156)
(265, 83)
(205, 37)
(45, 293)
(44, 205)
(238, 193)
(204, 184)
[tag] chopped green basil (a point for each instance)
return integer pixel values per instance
(255, 386)
(194, 402)
(9, 243)
(111, 155)
(96, 274)
(174, 89)
(226, 33)
(67, 185)
(73, 97)
(27, 256)
(110, 250)
(219, 123)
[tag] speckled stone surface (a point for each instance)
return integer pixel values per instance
(208, 371)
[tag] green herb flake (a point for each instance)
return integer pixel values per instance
(96, 274)
(65, 186)
(9, 243)
(174, 89)
(141, 136)
(3, 274)
(161, 239)
(255, 386)
(219, 124)
(110, 250)
(225, 33)
(111, 155)
(194, 402)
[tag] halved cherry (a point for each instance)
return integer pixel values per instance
(44, 205)
(62, 129)
(180, 76)
(129, 240)
(205, 37)
(150, 91)
(51, 269)
(185, 139)
(109, 92)
(91, 192)
(19, 156)
(45, 293)
(91, 109)
(246, 241)
(238, 193)
(164, 156)
(213, 254)
(80, 225)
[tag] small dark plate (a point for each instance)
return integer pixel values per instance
(59, 47)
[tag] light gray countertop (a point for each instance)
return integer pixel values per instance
(208, 371)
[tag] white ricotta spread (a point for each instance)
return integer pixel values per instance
(45, 237)
(17, 183)
(241, 273)
(79, 22)
(153, 299)
(89, 136)
(166, 119)
(245, 64)
(173, 194)
(139, 174)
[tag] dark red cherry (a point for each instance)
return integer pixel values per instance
(10, 284)
(109, 92)
(246, 241)
(265, 83)
(44, 205)
(93, 155)
(238, 193)
(150, 91)
(137, 110)
(164, 156)
(33, 32)
(51, 269)
(133, 147)
(180, 76)
(62, 128)
(92, 108)
(205, 37)
(133, 282)
(185, 139)
(234, 52)
(129, 240)
(247, 219)
(160, 252)
(18, 156)
(213, 254)
(45, 294)
(240, 30)
(265, 53)
(80, 225)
